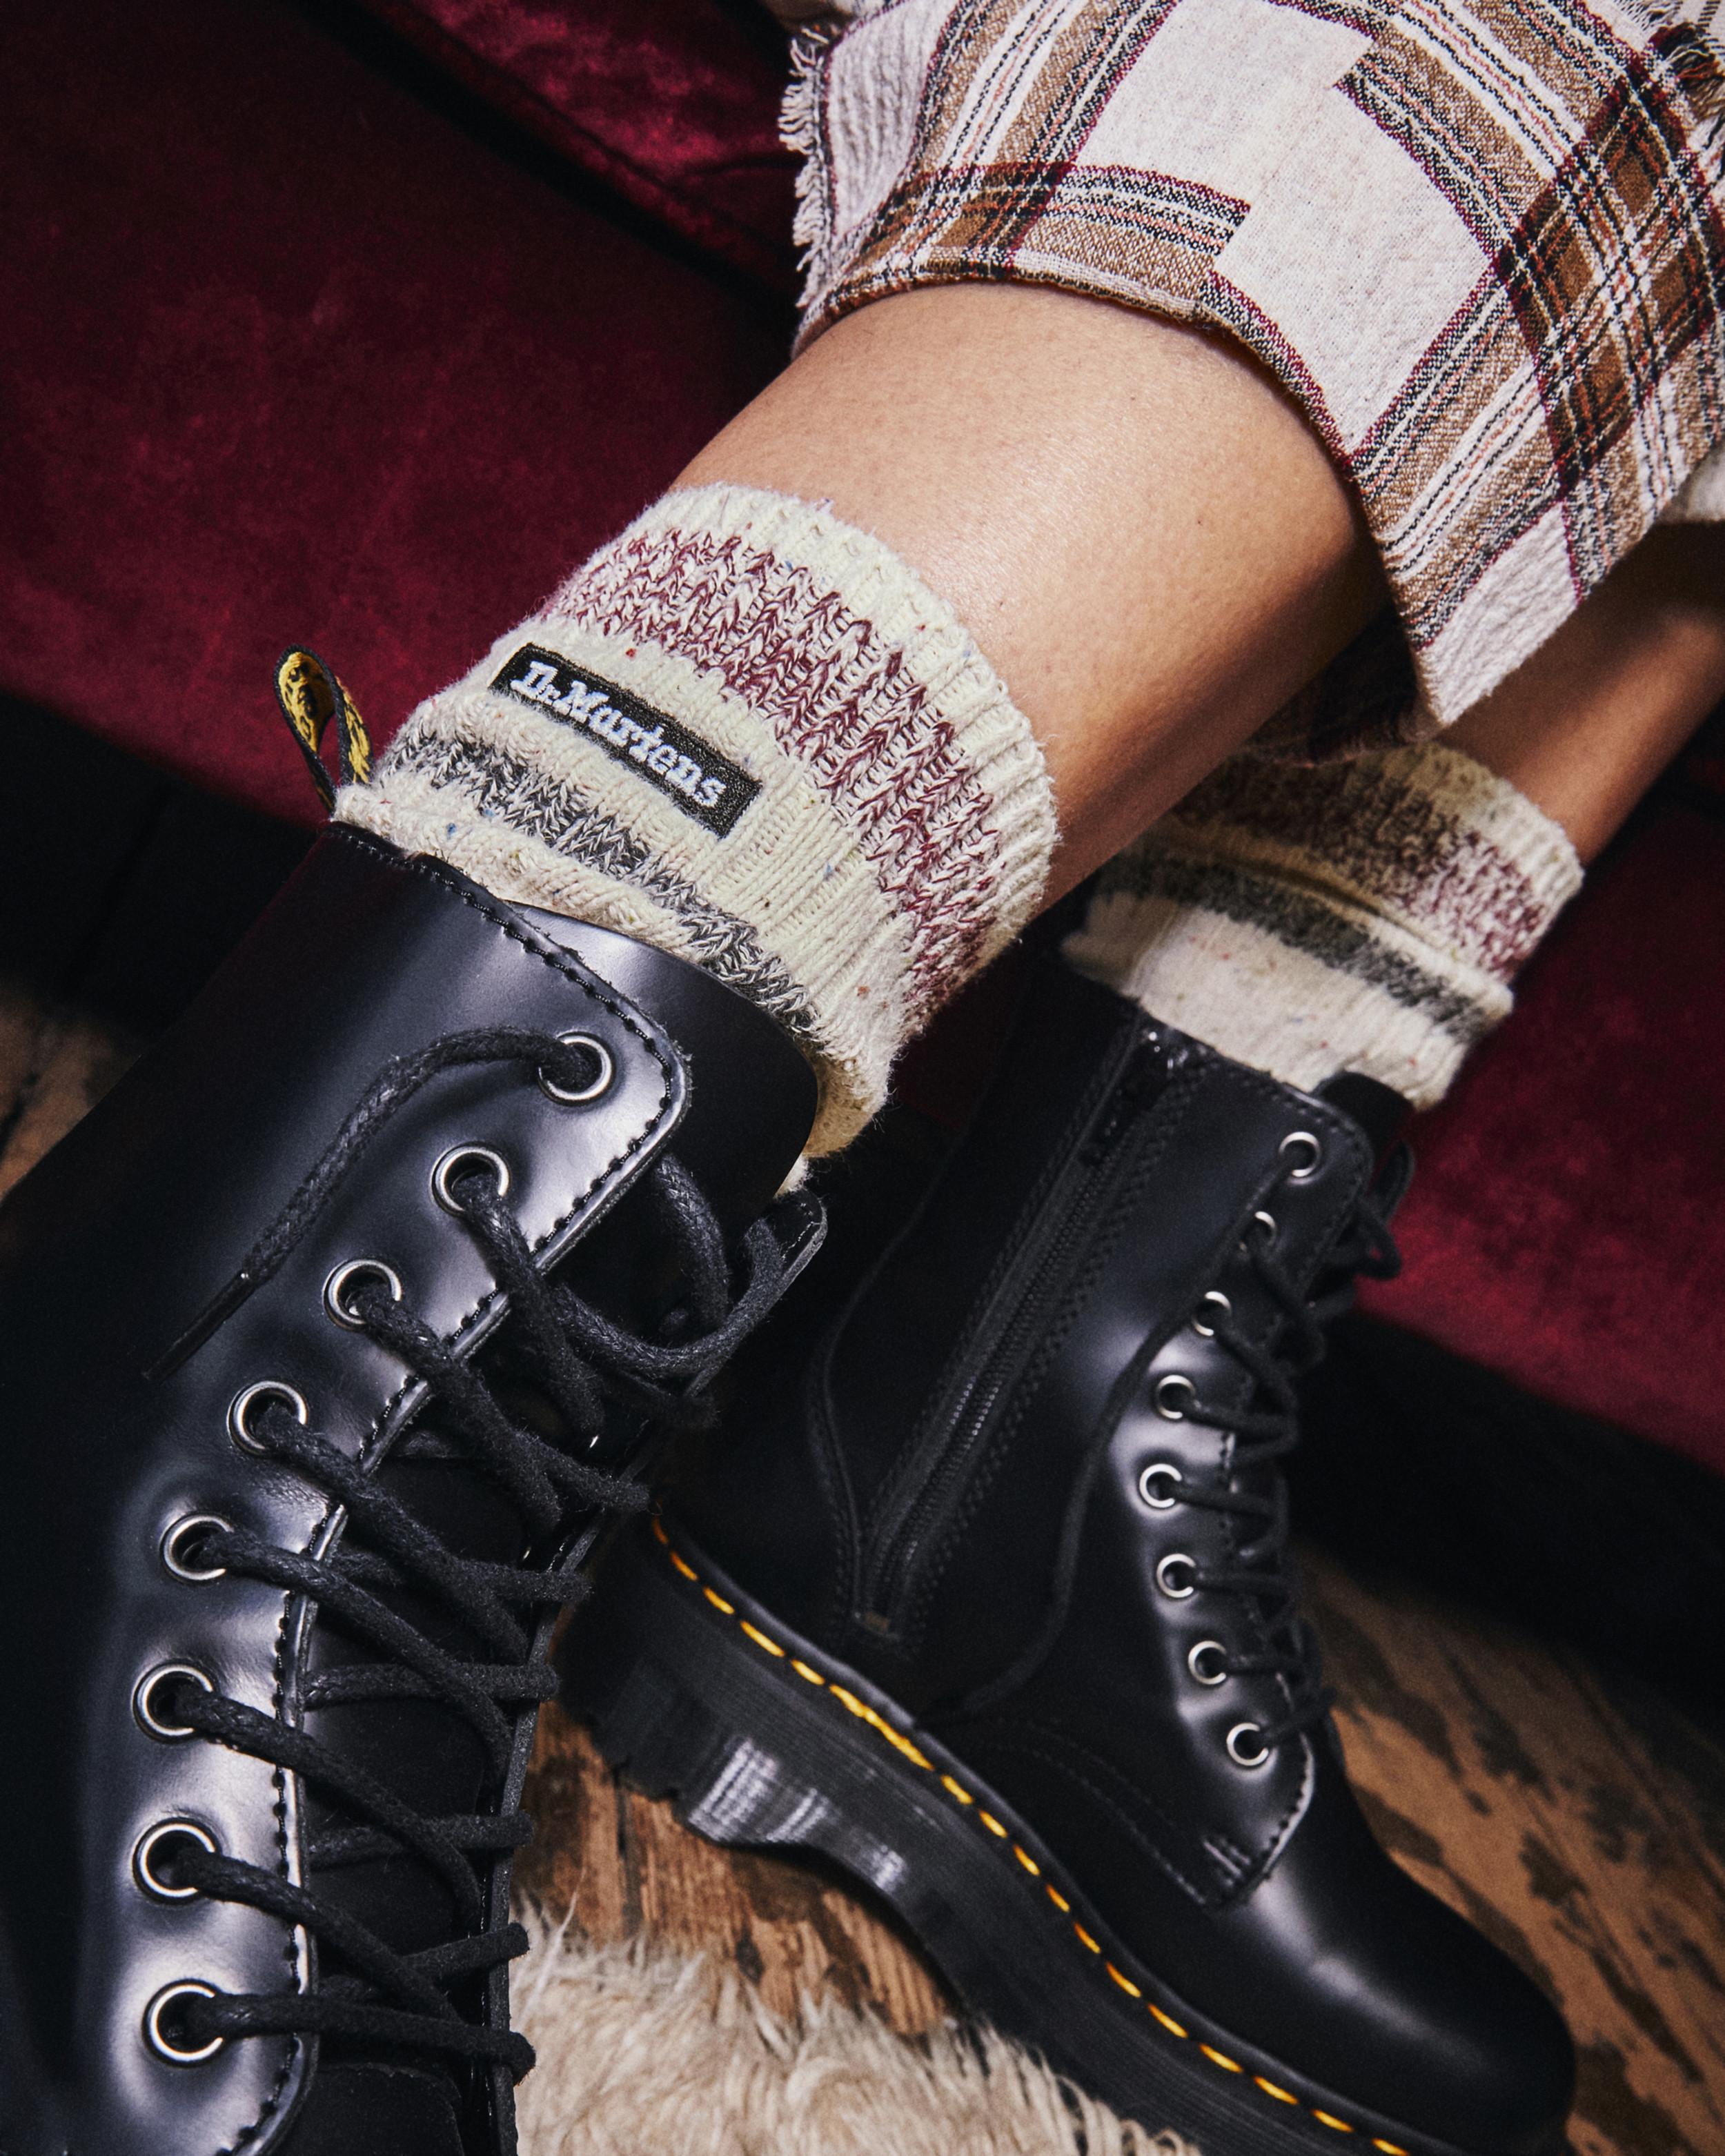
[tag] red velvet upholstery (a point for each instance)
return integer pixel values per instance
(288, 356)
(1566, 1225)
(675, 104)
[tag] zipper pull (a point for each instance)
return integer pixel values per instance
(1139, 1087)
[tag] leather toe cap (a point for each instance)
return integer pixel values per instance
(1372, 1985)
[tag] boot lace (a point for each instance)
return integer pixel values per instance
(605, 1383)
(1264, 1430)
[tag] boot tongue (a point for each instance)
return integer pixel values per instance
(752, 1092)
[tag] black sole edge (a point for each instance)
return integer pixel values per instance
(761, 1742)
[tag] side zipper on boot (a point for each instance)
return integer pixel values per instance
(1025, 1311)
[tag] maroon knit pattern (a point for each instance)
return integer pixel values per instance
(1415, 857)
(841, 700)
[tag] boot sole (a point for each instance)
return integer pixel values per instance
(763, 1742)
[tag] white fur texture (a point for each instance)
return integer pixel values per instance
(647, 2050)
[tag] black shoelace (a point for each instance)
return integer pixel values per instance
(593, 1373)
(1266, 1429)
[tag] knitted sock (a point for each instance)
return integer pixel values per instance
(1363, 916)
(747, 733)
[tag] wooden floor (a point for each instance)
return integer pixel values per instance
(1580, 1822)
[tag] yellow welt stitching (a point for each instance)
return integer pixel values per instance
(896, 1738)
(878, 1722)
(903, 1744)
(1390, 2149)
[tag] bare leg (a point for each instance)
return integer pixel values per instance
(1141, 531)
(1586, 725)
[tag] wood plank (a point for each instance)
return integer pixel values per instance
(70, 1061)
(1501, 1773)
(22, 1016)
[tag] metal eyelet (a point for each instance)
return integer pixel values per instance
(1313, 1151)
(1159, 1470)
(155, 2033)
(1242, 1732)
(457, 1161)
(152, 1845)
(1171, 1389)
(1199, 1674)
(1165, 1576)
(571, 1096)
(1217, 1301)
(240, 1408)
(146, 1707)
(174, 1553)
(1266, 1221)
(335, 1290)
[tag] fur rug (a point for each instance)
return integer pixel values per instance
(649, 2053)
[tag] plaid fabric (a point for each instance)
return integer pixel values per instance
(1482, 243)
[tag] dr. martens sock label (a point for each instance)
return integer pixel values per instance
(1364, 916)
(748, 733)
(685, 768)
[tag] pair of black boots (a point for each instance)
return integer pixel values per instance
(332, 1341)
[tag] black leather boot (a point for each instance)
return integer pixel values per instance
(326, 1343)
(995, 1609)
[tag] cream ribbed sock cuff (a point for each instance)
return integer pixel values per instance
(749, 734)
(1365, 917)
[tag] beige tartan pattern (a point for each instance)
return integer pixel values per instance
(1482, 242)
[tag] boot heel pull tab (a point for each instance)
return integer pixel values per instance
(311, 698)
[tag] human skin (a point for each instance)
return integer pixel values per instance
(1139, 529)
(1586, 725)
(1155, 551)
